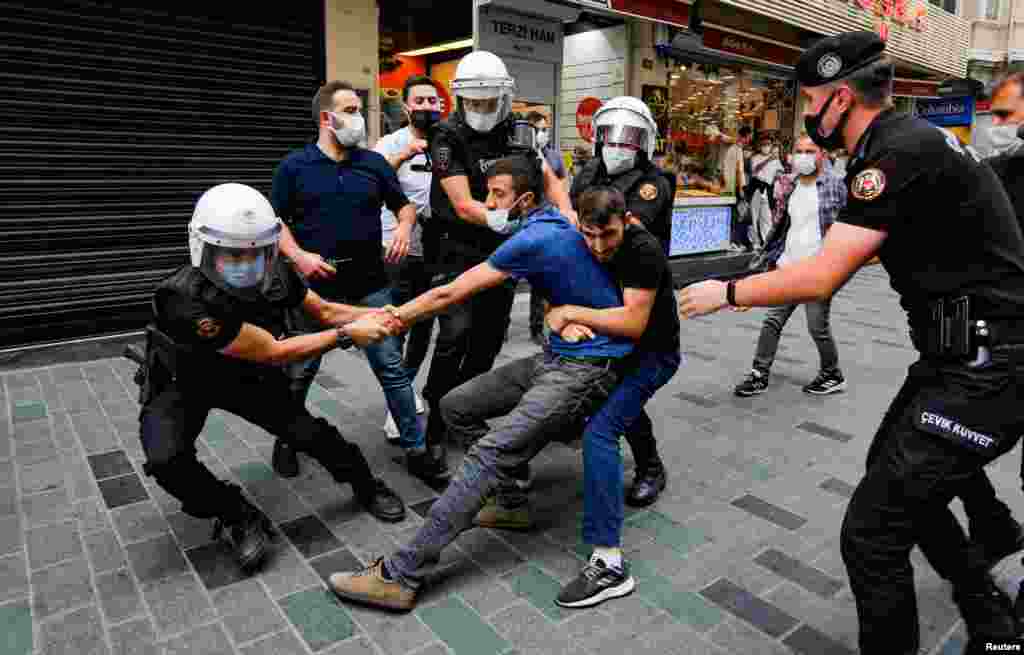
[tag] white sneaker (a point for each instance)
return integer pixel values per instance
(391, 429)
(420, 405)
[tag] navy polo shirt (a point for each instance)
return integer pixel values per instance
(333, 209)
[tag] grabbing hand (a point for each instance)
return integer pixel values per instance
(415, 147)
(369, 329)
(558, 318)
(702, 298)
(574, 333)
(312, 266)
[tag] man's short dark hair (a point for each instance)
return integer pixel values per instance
(535, 117)
(323, 100)
(1006, 80)
(745, 131)
(872, 84)
(416, 80)
(599, 205)
(525, 171)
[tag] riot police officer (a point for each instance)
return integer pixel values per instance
(946, 233)
(624, 136)
(462, 232)
(214, 345)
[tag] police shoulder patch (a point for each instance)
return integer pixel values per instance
(444, 157)
(208, 327)
(648, 191)
(868, 184)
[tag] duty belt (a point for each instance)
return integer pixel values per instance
(952, 331)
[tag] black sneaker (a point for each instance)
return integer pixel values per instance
(987, 612)
(755, 383)
(826, 383)
(429, 466)
(248, 536)
(596, 583)
(382, 502)
(285, 460)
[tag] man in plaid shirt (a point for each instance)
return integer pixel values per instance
(807, 202)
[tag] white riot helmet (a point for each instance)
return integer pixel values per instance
(233, 238)
(624, 127)
(483, 90)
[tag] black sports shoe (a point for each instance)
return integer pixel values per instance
(647, 486)
(596, 583)
(247, 536)
(285, 460)
(826, 383)
(756, 382)
(382, 502)
(987, 613)
(429, 466)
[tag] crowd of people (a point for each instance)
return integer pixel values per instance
(440, 221)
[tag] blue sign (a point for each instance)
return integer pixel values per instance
(946, 112)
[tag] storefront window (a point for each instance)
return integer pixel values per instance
(948, 5)
(990, 9)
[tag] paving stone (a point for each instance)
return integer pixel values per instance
(28, 410)
(134, 638)
(208, 640)
(737, 637)
(825, 431)
(318, 617)
(677, 536)
(17, 621)
(769, 512)
(177, 603)
(104, 551)
(285, 571)
(13, 577)
(10, 534)
(95, 433)
(91, 516)
(121, 491)
(462, 629)
(8, 501)
(685, 606)
(32, 431)
(215, 565)
(353, 646)
(139, 522)
(60, 588)
(796, 571)
(45, 475)
(838, 487)
(539, 588)
(335, 561)
(44, 508)
(282, 643)
(741, 603)
(77, 398)
(155, 559)
(33, 452)
(530, 631)
(53, 543)
(119, 597)
(21, 380)
(190, 531)
(110, 465)
(310, 536)
(76, 633)
(63, 434)
(247, 611)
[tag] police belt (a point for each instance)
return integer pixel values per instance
(950, 330)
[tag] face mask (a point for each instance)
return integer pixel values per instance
(481, 122)
(424, 119)
(618, 159)
(833, 140)
(840, 166)
(242, 275)
(1003, 137)
(352, 132)
(804, 164)
(543, 138)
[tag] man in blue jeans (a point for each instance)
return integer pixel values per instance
(329, 194)
(541, 397)
(638, 262)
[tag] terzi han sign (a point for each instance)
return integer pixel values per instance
(946, 112)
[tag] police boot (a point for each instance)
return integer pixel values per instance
(431, 466)
(987, 612)
(648, 483)
(247, 533)
(380, 501)
(285, 460)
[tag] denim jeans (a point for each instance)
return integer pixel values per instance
(817, 325)
(410, 279)
(541, 398)
(602, 459)
(385, 358)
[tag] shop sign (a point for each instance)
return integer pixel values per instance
(585, 118)
(747, 47)
(507, 33)
(946, 112)
(675, 13)
(910, 14)
(915, 88)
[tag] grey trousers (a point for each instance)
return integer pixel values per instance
(542, 398)
(817, 325)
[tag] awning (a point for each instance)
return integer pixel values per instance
(688, 46)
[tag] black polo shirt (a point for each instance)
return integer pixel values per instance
(333, 209)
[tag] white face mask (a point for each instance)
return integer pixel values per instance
(1003, 137)
(618, 159)
(481, 122)
(352, 130)
(840, 166)
(804, 164)
(543, 138)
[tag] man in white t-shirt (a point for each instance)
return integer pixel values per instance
(764, 168)
(806, 204)
(406, 151)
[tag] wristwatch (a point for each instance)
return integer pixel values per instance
(730, 293)
(344, 341)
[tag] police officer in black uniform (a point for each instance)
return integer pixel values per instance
(625, 133)
(214, 345)
(948, 237)
(462, 232)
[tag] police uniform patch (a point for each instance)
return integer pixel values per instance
(868, 185)
(648, 191)
(208, 328)
(829, 65)
(444, 157)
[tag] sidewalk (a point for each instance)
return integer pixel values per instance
(740, 556)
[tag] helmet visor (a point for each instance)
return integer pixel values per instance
(242, 271)
(622, 135)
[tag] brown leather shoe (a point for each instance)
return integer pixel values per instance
(370, 587)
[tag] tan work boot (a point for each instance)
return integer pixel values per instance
(370, 587)
(493, 515)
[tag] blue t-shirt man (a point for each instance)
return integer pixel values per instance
(553, 257)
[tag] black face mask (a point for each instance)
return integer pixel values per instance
(424, 119)
(812, 124)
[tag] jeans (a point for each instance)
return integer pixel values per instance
(410, 279)
(385, 358)
(541, 398)
(817, 325)
(602, 460)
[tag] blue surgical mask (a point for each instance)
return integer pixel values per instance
(242, 275)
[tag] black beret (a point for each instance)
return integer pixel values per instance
(839, 56)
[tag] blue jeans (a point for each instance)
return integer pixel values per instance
(603, 494)
(385, 358)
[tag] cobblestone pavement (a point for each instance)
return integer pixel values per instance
(740, 556)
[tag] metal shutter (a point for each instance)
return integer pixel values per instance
(115, 118)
